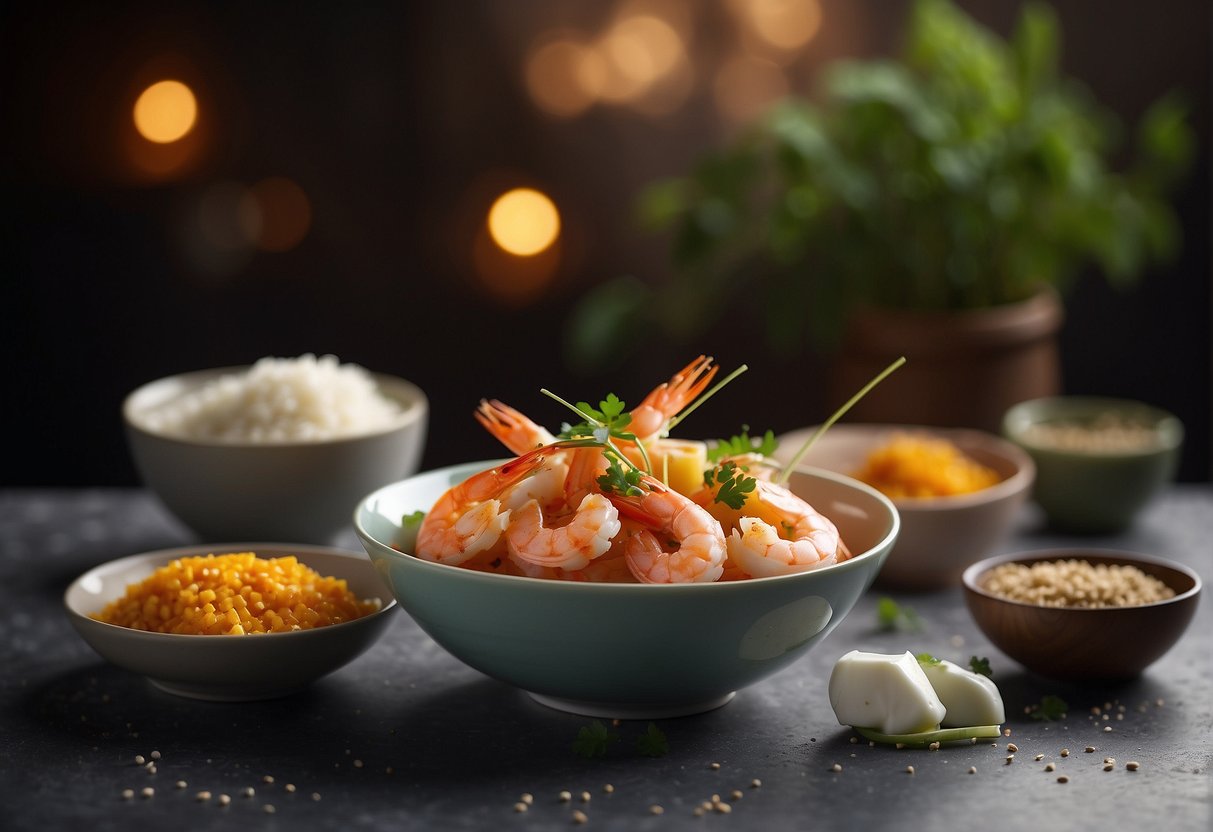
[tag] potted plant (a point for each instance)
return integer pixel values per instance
(963, 184)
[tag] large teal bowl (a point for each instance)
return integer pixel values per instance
(628, 650)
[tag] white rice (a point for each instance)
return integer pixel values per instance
(279, 400)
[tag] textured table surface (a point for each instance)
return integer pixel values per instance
(406, 737)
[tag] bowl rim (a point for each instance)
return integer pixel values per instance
(856, 562)
(970, 578)
(161, 557)
(413, 404)
(1167, 425)
(1016, 483)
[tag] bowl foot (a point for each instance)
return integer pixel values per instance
(636, 710)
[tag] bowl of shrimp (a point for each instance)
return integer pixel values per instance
(657, 625)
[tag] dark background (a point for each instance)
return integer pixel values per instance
(401, 122)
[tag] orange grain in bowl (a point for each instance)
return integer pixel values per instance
(923, 466)
(235, 594)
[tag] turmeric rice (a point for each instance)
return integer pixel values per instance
(235, 594)
(923, 466)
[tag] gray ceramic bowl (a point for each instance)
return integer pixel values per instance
(628, 650)
(940, 536)
(228, 668)
(1095, 491)
(1084, 644)
(300, 491)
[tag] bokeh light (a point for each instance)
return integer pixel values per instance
(746, 87)
(564, 76)
(777, 29)
(282, 211)
(524, 222)
(165, 112)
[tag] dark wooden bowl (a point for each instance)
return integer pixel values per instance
(1075, 643)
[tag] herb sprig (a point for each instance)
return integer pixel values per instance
(1051, 707)
(743, 443)
(735, 487)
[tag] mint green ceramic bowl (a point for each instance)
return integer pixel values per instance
(635, 651)
(1092, 482)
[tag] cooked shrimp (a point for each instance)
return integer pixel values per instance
(569, 542)
(697, 549)
(651, 418)
(512, 427)
(468, 518)
(776, 532)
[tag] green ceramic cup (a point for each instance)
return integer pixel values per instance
(1095, 484)
(619, 649)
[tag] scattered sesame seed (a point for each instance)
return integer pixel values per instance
(357, 763)
(290, 787)
(608, 788)
(1160, 702)
(697, 811)
(1132, 765)
(249, 791)
(565, 796)
(1006, 732)
(224, 799)
(1010, 759)
(899, 745)
(836, 767)
(1095, 710)
(706, 805)
(714, 766)
(715, 799)
(722, 808)
(1109, 766)
(933, 746)
(755, 783)
(854, 740)
(269, 808)
(202, 797)
(527, 798)
(1109, 760)
(155, 755)
(909, 769)
(585, 797)
(316, 796)
(1050, 767)
(656, 810)
(579, 816)
(1012, 747)
(735, 794)
(1039, 757)
(139, 760)
(1120, 717)
(1063, 779)
(520, 806)
(1107, 729)
(147, 791)
(151, 768)
(1090, 749)
(972, 769)
(127, 794)
(267, 779)
(1065, 752)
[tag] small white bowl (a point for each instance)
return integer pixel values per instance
(303, 491)
(229, 668)
(940, 536)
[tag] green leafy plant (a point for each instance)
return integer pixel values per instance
(981, 666)
(893, 616)
(593, 740)
(964, 173)
(1051, 707)
(653, 743)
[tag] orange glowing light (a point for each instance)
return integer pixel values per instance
(745, 88)
(165, 112)
(559, 77)
(524, 222)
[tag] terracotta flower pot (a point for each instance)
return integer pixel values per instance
(963, 369)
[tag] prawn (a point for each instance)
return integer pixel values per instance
(568, 543)
(651, 418)
(775, 532)
(512, 427)
(468, 518)
(697, 541)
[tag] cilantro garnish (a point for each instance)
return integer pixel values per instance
(593, 740)
(604, 423)
(624, 481)
(981, 666)
(892, 616)
(743, 444)
(1050, 708)
(926, 659)
(735, 487)
(414, 519)
(652, 743)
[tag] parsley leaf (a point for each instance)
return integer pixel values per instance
(624, 481)
(981, 666)
(735, 487)
(593, 740)
(926, 659)
(1050, 708)
(652, 743)
(743, 444)
(411, 520)
(892, 616)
